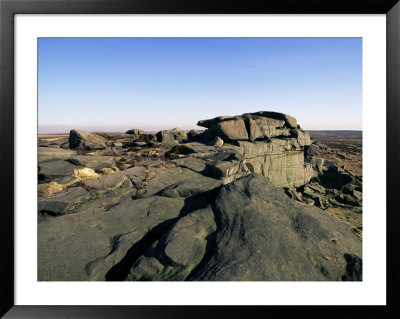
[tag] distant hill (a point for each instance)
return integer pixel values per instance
(335, 132)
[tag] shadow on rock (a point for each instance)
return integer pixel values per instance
(120, 270)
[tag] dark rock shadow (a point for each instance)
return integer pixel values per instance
(210, 248)
(353, 268)
(120, 270)
(332, 178)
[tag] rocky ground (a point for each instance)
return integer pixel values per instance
(344, 148)
(253, 197)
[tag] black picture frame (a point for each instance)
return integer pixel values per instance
(8, 8)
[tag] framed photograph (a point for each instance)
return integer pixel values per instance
(230, 160)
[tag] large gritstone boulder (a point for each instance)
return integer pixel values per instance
(253, 232)
(264, 235)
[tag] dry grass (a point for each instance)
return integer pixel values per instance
(85, 173)
(49, 188)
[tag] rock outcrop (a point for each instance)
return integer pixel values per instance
(253, 232)
(252, 126)
(270, 142)
(248, 199)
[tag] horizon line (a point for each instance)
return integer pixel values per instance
(123, 132)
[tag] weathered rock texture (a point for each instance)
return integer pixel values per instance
(281, 160)
(270, 143)
(251, 231)
(263, 235)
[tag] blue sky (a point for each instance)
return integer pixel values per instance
(115, 84)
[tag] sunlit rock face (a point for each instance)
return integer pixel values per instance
(271, 144)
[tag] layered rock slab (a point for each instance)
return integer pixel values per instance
(64, 201)
(47, 154)
(281, 160)
(94, 162)
(57, 169)
(270, 142)
(250, 126)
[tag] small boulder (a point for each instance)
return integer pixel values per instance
(86, 139)
(175, 134)
(135, 131)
